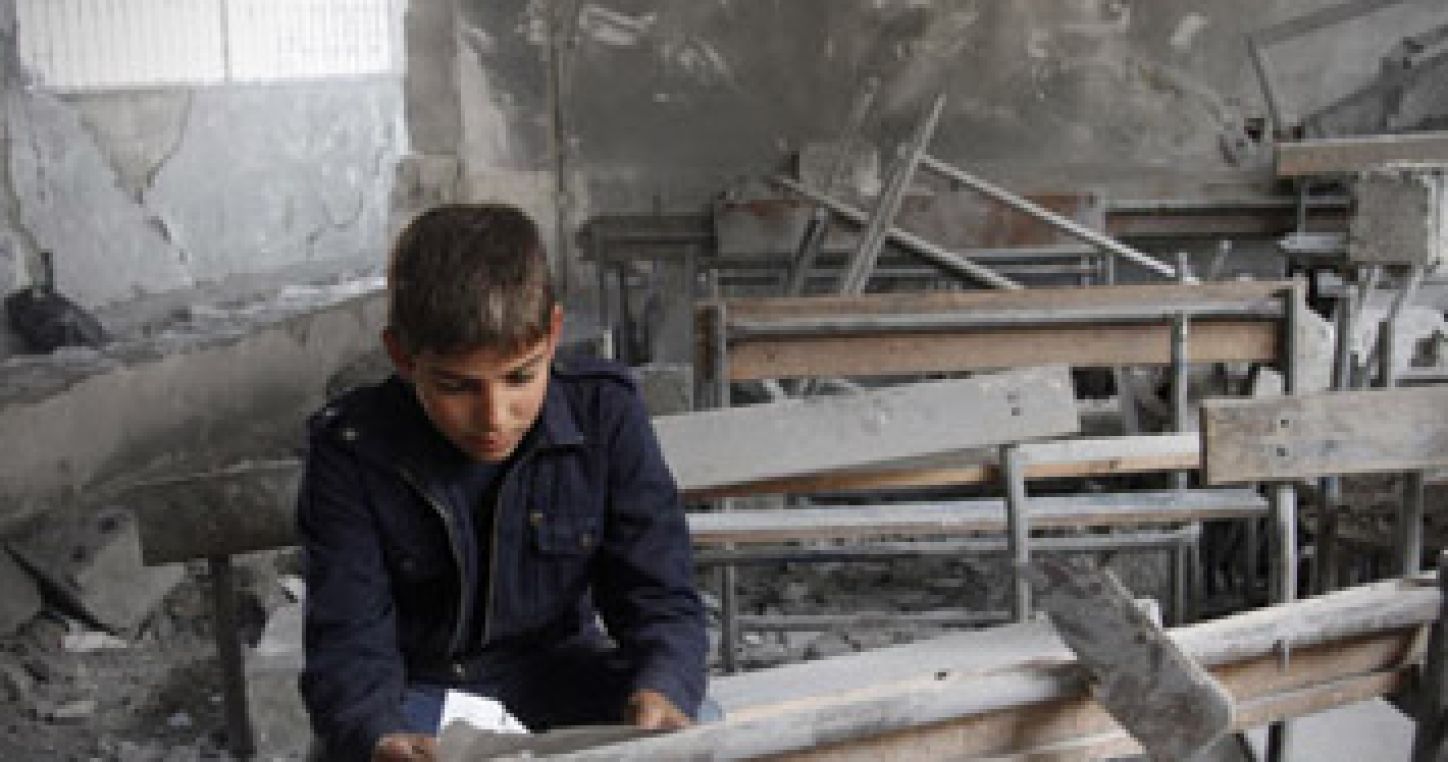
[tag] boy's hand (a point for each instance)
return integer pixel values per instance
(405, 747)
(651, 710)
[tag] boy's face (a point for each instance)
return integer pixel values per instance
(482, 401)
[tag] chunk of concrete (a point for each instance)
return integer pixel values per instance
(278, 717)
(1400, 216)
(93, 563)
(19, 595)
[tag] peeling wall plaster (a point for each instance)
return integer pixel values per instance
(139, 193)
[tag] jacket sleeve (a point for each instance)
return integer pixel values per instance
(352, 682)
(644, 585)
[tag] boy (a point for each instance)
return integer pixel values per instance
(462, 520)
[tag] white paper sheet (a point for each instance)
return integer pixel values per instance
(479, 712)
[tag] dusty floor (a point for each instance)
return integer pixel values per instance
(150, 695)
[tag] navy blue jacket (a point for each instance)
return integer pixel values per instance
(588, 516)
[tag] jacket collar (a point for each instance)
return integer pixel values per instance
(557, 425)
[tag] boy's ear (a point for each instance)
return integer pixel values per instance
(555, 328)
(402, 360)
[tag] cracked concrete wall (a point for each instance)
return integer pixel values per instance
(665, 105)
(145, 192)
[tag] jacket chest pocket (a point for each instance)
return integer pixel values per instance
(554, 570)
(563, 534)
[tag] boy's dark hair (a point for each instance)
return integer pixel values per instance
(464, 277)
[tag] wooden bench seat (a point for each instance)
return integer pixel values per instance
(966, 516)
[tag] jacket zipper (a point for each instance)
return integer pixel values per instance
(493, 543)
(455, 643)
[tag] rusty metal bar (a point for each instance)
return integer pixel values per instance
(862, 262)
(950, 262)
(1060, 222)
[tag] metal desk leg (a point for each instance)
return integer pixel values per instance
(228, 650)
(1018, 524)
(1284, 567)
(1430, 740)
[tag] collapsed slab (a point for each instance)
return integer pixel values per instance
(94, 564)
(75, 426)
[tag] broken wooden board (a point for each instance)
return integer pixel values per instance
(1026, 692)
(746, 444)
(1165, 699)
(1286, 438)
(854, 522)
(1356, 154)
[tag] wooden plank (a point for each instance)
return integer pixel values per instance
(987, 515)
(1090, 346)
(1066, 458)
(1356, 154)
(1392, 613)
(244, 508)
(1169, 296)
(740, 445)
(1168, 702)
(1080, 729)
(1283, 438)
(1382, 607)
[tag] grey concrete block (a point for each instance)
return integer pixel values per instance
(278, 716)
(1400, 216)
(19, 596)
(94, 563)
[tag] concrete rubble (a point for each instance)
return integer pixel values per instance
(94, 564)
(19, 595)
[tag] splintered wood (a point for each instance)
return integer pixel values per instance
(1168, 702)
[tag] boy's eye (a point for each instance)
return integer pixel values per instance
(519, 378)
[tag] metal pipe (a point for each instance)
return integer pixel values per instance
(819, 224)
(1430, 741)
(953, 263)
(728, 576)
(1263, 70)
(1018, 530)
(1060, 222)
(1284, 516)
(862, 263)
(1086, 543)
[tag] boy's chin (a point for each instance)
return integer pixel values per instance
(488, 452)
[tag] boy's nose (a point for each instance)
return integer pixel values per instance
(494, 411)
